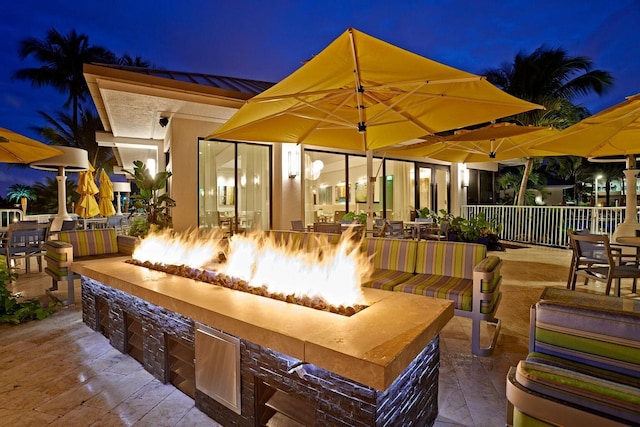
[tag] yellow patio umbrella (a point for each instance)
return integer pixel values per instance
(496, 142)
(361, 93)
(105, 195)
(16, 148)
(611, 132)
(87, 206)
(614, 131)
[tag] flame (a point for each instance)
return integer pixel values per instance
(333, 272)
(169, 248)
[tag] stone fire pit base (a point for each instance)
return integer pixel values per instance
(273, 385)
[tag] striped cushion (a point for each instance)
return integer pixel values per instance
(386, 279)
(588, 391)
(456, 259)
(593, 336)
(91, 242)
(456, 289)
(392, 254)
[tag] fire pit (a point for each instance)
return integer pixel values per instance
(336, 370)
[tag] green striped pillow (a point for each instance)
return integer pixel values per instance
(456, 259)
(392, 254)
(91, 242)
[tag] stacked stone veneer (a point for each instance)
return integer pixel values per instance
(411, 400)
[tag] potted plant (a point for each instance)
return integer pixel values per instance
(152, 210)
(360, 218)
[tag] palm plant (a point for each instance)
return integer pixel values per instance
(554, 79)
(62, 58)
(60, 132)
(19, 193)
(47, 195)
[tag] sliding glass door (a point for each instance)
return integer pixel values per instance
(234, 186)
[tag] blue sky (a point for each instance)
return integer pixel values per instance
(267, 40)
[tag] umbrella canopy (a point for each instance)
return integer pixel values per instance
(362, 93)
(105, 195)
(614, 131)
(496, 142)
(611, 132)
(16, 148)
(87, 206)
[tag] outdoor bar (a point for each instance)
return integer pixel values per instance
(246, 359)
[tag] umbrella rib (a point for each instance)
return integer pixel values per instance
(362, 118)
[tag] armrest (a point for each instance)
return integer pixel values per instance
(58, 252)
(488, 269)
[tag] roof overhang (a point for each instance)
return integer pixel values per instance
(131, 105)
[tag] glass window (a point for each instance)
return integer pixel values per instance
(326, 189)
(234, 186)
(399, 190)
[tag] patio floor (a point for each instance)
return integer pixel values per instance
(60, 372)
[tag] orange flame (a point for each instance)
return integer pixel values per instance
(333, 272)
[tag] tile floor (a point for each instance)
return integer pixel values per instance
(58, 372)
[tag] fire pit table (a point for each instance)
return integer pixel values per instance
(247, 359)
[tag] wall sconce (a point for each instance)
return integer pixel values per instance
(465, 176)
(294, 164)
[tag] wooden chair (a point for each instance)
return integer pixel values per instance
(327, 227)
(439, 233)
(594, 258)
(395, 229)
(25, 241)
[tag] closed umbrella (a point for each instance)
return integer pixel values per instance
(614, 131)
(105, 195)
(362, 93)
(87, 206)
(493, 143)
(16, 148)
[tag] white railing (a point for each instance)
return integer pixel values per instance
(7, 216)
(548, 225)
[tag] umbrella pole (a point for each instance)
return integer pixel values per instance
(370, 189)
(630, 224)
(62, 214)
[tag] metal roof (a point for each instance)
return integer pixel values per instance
(248, 86)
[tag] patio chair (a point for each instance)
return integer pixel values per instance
(594, 258)
(327, 227)
(439, 233)
(25, 241)
(297, 225)
(395, 229)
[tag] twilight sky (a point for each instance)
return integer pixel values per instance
(268, 40)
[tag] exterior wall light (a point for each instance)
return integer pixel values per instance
(294, 164)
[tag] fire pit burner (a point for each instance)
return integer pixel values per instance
(215, 278)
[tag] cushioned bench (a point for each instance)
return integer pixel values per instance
(460, 272)
(82, 245)
(583, 368)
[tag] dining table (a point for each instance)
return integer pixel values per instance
(417, 228)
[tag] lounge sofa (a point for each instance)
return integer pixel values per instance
(461, 272)
(583, 368)
(82, 245)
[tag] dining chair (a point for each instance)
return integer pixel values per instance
(395, 229)
(25, 241)
(327, 227)
(441, 232)
(594, 258)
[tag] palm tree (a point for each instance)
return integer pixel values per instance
(20, 193)
(554, 79)
(62, 58)
(47, 195)
(512, 179)
(59, 133)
